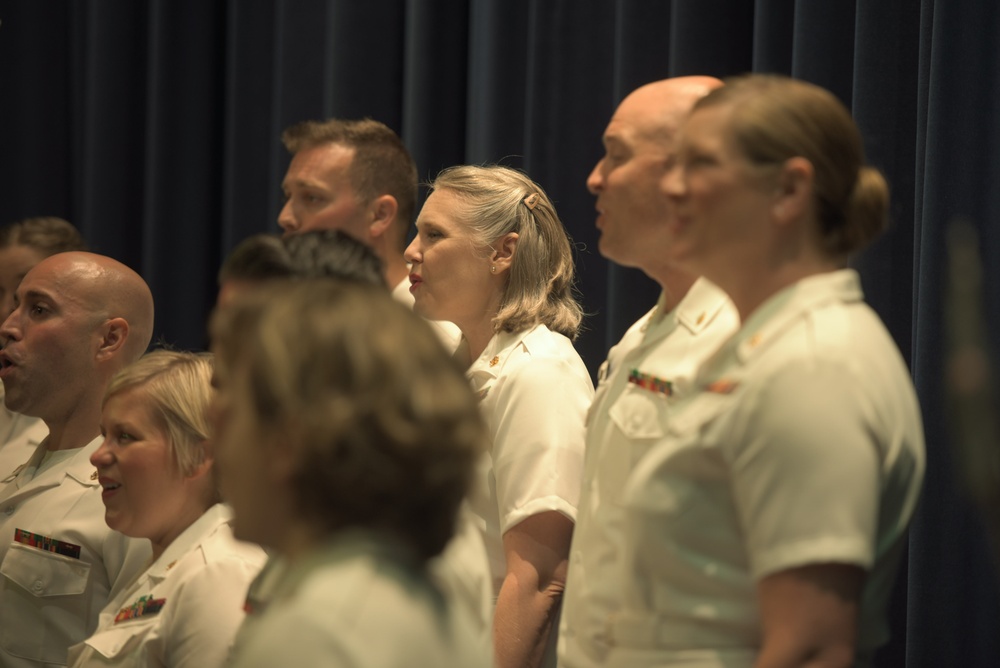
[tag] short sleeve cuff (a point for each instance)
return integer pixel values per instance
(854, 551)
(537, 507)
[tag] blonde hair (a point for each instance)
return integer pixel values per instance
(178, 387)
(540, 285)
(778, 118)
(386, 425)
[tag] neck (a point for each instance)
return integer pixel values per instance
(478, 338)
(675, 285)
(748, 295)
(77, 429)
(189, 515)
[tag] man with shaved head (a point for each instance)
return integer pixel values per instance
(79, 318)
(650, 367)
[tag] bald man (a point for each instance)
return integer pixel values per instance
(650, 367)
(79, 318)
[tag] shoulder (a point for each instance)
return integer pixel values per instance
(540, 353)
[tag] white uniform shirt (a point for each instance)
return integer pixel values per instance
(534, 392)
(668, 346)
(358, 602)
(26, 434)
(50, 600)
(462, 570)
(805, 447)
(185, 609)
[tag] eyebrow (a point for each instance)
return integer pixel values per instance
(35, 294)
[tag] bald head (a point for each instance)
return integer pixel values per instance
(656, 110)
(79, 318)
(639, 145)
(107, 290)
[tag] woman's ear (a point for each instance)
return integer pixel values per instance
(794, 194)
(503, 252)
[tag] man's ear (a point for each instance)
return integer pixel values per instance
(794, 196)
(114, 333)
(503, 252)
(383, 209)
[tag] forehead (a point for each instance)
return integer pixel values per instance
(60, 281)
(443, 207)
(708, 128)
(326, 164)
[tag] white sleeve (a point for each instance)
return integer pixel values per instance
(538, 439)
(806, 470)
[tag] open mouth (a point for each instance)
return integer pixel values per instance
(109, 485)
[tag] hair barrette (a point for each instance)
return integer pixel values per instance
(531, 201)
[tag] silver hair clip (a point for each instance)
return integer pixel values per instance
(531, 201)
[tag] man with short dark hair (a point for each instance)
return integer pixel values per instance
(355, 176)
(79, 318)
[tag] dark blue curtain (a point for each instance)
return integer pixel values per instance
(153, 125)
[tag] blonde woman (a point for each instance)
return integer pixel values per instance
(492, 256)
(155, 469)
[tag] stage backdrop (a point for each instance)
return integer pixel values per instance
(153, 125)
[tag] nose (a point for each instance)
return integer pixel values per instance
(412, 253)
(286, 219)
(102, 456)
(8, 330)
(595, 182)
(672, 184)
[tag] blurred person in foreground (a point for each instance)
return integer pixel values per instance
(462, 570)
(155, 467)
(492, 256)
(346, 409)
(767, 529)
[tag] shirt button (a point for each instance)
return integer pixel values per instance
(38, 586)
(9, 510)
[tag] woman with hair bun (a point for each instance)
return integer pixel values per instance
(767, 527)
(492, 256)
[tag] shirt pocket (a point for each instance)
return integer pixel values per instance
(639, 419)
(124, 638)
(43, 603)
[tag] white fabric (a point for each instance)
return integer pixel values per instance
(534, 393)
(202, 577)
(462, 569)
(805, 447)
(358, 602)
(49, 601)
(449, 333)
(19, 437)
(668, 346)
(463, 574)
